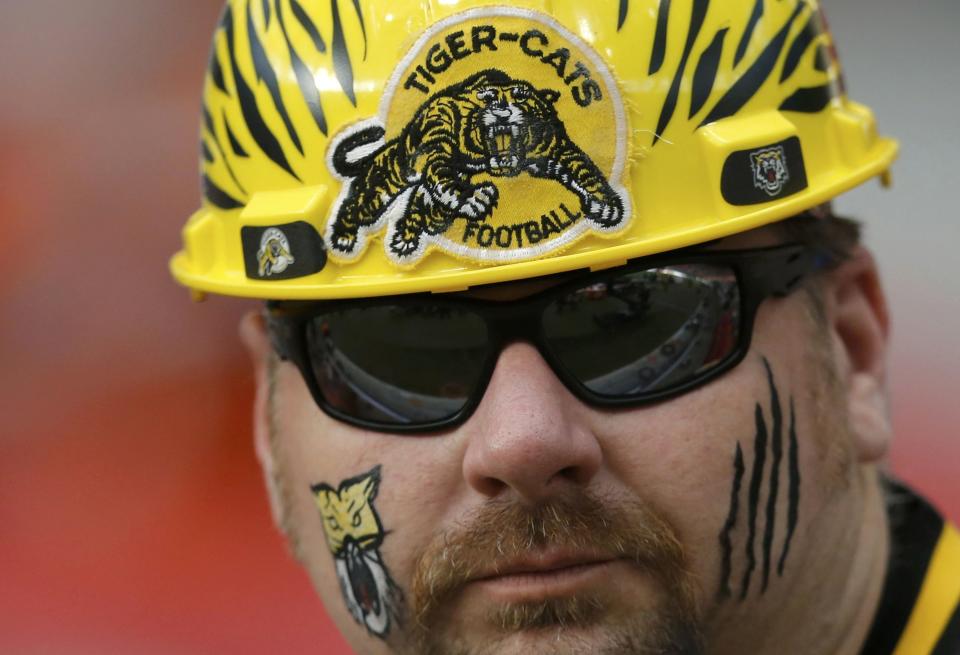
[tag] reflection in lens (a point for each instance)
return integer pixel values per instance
(397, 364)
(646, 331)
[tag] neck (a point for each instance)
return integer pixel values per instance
(868, 565)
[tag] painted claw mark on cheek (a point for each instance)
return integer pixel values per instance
(354, 535)
(765, 438)
(725, 542)
(794, 508)
(776, 448)
(756, 480)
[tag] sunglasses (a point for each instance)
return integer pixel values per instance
(641, 333)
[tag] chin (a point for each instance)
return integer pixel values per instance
(581, 627)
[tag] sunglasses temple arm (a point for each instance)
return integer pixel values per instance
(281, 335)
(781, 276)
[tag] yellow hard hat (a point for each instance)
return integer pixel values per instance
(378, 147)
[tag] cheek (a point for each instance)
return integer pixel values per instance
(738, 491)
(421, 490)
(418, 489)
(678, 457)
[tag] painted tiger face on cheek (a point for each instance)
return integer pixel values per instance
(354, 535)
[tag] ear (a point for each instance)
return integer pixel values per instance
(549, 95)
(253, 333)
(857, 311)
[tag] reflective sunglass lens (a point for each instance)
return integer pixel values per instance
(397, 364)
(646, 331)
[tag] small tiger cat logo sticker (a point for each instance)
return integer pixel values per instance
(354, 535)
(770, 172)
(501, 137)
(274, 256)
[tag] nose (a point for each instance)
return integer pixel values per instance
(529, 435)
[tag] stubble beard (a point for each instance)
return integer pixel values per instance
(591, 622)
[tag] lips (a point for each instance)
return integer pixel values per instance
(543, 575)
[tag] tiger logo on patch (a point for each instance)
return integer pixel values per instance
(501, 137)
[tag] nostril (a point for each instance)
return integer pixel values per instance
(575, 474)
(490, 486)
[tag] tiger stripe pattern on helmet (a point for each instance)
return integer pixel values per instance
(248, 113)
(241, 88)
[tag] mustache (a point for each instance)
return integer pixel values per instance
(502, 531)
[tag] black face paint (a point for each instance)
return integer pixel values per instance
(794, 497)
(776, 447)
(756, 479)
(354, 534)
(773, 437)
(725, 541)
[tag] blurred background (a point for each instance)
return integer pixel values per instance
(131, 513)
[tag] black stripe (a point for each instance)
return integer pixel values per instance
(266, 74)
(793, 509)
(208, 120)
(211, 130)
(915, 529)
(218, 196)
(226, 18)
(223, 155)
(363, 27)
(949, 642)
(266, 13)
(306, 81)
(622, 16)
(725, 542)
(755, 17)
(670, 104)
(660, 38)
(341, 57)
(776, 448)
(706, 73)
(238, 149)
(251, 114)
(822, 59)
(216, 69)
(808, 100)
(799, 46)
(205, 151)
(308, 26)
(751, 81)
(760, 457)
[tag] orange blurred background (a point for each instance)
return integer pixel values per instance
(132, 515)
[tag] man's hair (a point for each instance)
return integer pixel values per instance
(823, 230)
(834, 236)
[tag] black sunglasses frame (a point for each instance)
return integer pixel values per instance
(760, 273)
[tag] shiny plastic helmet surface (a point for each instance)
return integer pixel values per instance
(379, 147)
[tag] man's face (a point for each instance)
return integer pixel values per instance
(545, 525)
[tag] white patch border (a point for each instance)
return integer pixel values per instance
(398, 206)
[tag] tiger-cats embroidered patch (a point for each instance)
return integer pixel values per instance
(500, 137)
